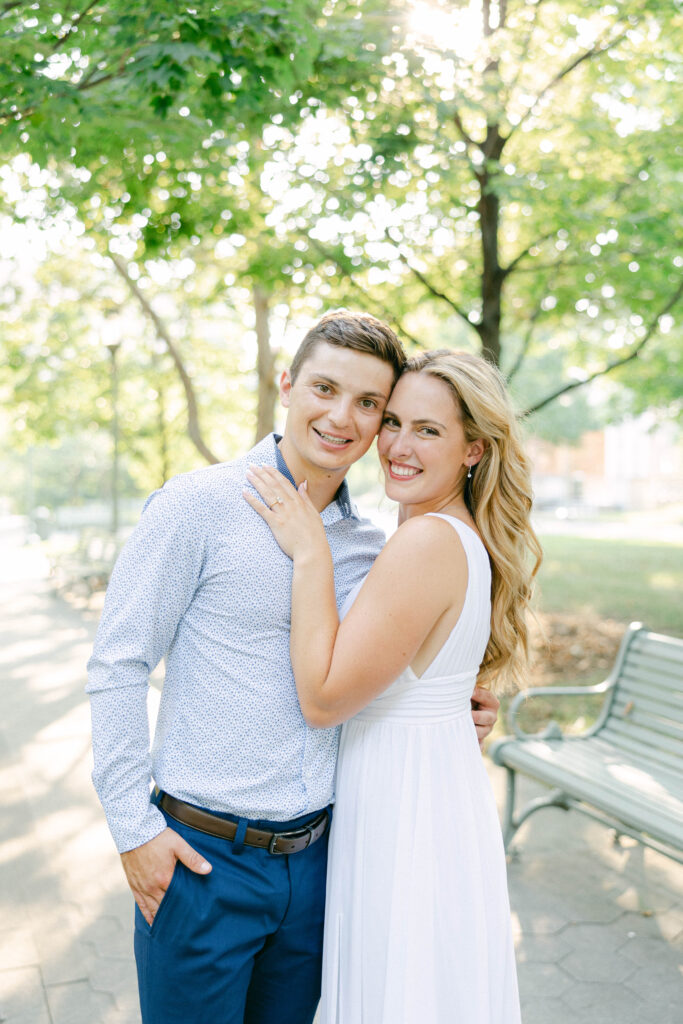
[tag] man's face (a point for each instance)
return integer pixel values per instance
(335, 408)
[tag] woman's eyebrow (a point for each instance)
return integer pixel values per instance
(430, 423)
(417, 423)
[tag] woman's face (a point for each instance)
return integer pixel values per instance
(422, 444)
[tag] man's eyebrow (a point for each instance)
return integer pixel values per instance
(335, 384)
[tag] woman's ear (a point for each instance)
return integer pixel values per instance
(475, 450)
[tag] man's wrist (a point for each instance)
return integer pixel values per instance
(127, 838)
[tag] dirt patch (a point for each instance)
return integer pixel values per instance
(573, 648)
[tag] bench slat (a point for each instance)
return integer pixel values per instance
(670, 702)
(651, 675)
(613, 726)
(662, 766)
(624, 698)
(670, 667)
(642, 802)
(656, 645)
(645, 753)
(582, 756)
(635, 711)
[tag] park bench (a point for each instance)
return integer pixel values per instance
(626, 771)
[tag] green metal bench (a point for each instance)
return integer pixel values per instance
(627, 770)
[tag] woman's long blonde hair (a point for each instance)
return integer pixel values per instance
(498, 496)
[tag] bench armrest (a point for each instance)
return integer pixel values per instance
(553, 730)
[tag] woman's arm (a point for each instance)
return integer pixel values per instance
(419, 577)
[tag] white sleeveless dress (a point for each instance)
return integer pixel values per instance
(417, 920)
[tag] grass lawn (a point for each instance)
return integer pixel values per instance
(626, 580)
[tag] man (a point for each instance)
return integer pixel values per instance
(227, 861)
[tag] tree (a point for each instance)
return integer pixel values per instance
(509, 177)
(496, 183)
(66, 73)
(55, 373)
(136, 107)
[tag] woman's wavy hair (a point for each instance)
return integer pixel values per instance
(498, 496)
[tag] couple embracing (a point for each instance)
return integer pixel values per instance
(283, 616)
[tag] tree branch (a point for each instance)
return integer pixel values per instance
(72, 26)
(616, 363)
(457, 121)
(533, 320)
(526, 341)
(193, 427)
(386, 313)
(524, 253)
(433, 290)
(593, 51)
(525, 47)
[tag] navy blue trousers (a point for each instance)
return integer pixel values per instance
(242, 945)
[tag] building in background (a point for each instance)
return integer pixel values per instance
(634, 465)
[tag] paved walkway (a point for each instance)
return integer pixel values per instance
(599, 928)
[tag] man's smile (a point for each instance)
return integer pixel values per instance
(334, 439)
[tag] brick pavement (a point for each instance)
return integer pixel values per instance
(599, 928)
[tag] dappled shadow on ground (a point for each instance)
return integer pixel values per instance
(599, 927)
(65, 943)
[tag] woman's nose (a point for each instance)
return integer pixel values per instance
(400, 444)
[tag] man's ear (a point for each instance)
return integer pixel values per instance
(285, 388)
(475, 450)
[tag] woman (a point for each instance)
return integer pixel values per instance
(417, 927)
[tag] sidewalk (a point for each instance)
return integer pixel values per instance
(599, 928)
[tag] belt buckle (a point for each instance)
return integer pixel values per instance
(295, 834)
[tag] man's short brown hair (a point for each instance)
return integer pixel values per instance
(358, 331)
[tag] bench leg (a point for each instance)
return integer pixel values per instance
(509, 824)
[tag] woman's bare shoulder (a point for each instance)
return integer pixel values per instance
(423, 537)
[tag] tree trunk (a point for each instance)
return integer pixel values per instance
(492, 276)
(265, 366)
(193, 427)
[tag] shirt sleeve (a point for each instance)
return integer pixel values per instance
(153, 582)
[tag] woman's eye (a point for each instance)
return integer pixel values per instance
(430, 431)
(389, 421)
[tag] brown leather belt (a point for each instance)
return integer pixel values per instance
(274, 842)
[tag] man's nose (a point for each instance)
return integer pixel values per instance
(340, 413)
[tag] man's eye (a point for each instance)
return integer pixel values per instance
(323, 388)
(368, 403)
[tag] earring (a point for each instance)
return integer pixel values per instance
(469, 473)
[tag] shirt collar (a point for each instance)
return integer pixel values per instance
(341, 506)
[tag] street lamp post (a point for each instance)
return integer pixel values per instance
(113, 347)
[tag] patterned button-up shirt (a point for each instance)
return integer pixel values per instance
(202, 582)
